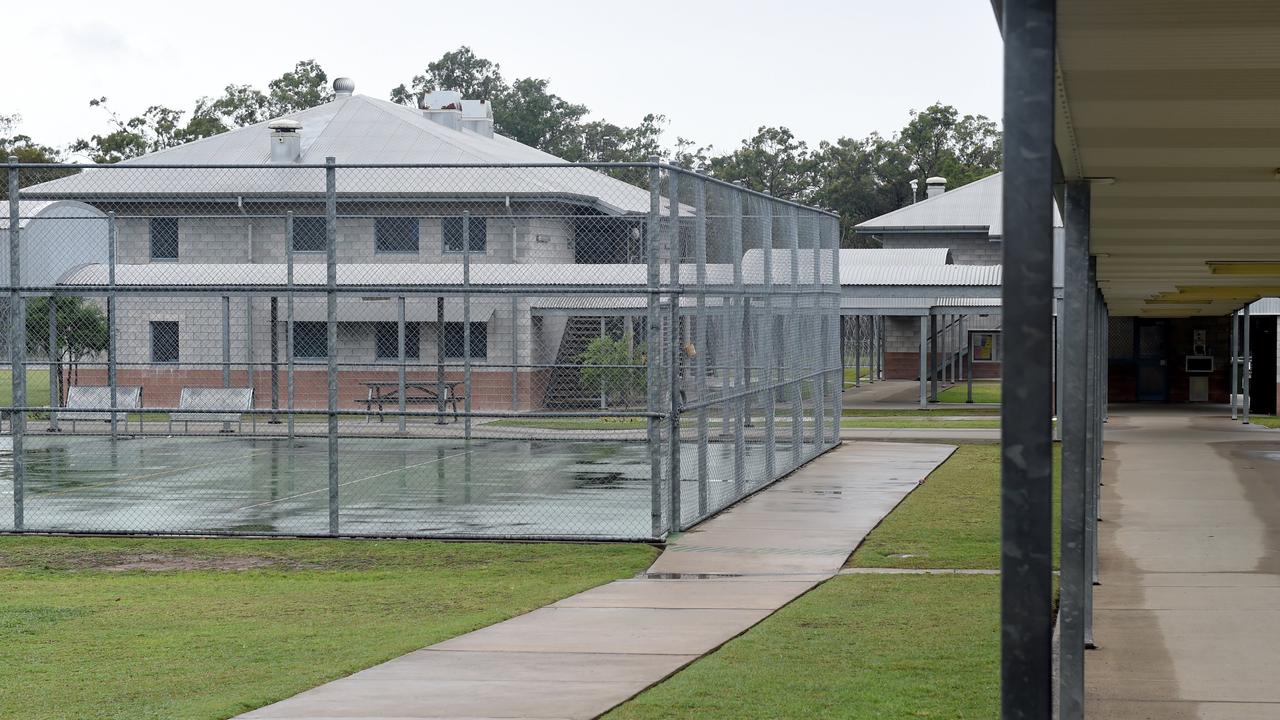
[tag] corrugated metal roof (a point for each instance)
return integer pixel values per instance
(893, 256)
(917, 306)
(355, 129)
(29, 210)
(380, 274)
(1265, 306)
(975, 207)
(489, 274)
(969, 275)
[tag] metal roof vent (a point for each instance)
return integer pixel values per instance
(935, 186)
(344, 86)
(286, 143)
(443, 107)
(477, 116)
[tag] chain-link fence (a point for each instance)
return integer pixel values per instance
(557, 350)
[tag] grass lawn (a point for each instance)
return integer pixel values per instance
(1270, 421)
(859, 646)
(37, 387)
(917, 413)
(984, 391)
(143, 628)
(951, 521)
(922, 422)
(850, 374)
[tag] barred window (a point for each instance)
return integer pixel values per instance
(386, 340)
(164, 238)
(395, 234)
(454, 340)
(309, 235)
(477, 230)
(164, 341)
(310, 340)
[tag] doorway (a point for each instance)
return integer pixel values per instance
(1152, 360)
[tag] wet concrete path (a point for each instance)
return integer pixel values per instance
(1187, 617)
(585, 654)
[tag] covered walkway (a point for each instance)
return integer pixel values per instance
(1187, 617)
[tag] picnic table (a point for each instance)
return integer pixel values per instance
(382, 393)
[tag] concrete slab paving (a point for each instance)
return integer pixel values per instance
(585, 654)
(1187, 617)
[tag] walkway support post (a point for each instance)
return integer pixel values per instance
(933, 357)
(1235, 360)
(1093, 442)
(924, 362)
(466, 327)
(1026, 466)
(1073, 378)
(1247, 365)
(331, 342)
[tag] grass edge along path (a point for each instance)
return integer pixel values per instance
(149, 629)
(870, 645)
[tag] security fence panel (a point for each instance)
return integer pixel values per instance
(610, 351)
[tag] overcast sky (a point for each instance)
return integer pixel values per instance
(717, 68)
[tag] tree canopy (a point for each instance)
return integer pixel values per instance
(859, 178)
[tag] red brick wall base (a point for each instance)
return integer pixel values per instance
(906, 366)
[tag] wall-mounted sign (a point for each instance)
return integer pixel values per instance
(984, 346)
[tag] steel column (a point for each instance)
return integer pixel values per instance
(1027, 314)
(924, 361)
(1247, 402)
(1235, 360)
(933, 357)
(1073, 417)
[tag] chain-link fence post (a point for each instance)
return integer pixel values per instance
(515, 347)
(767, 339)
(700, 348)
(832, 229)
(401, 400)
(55, 377)
(248, 360)
(466, 324)
(793, 337)
(653, 347)
(738, 320)
(673, 373)
(112, 319)
(288, 328)
(331, 344)
(17, 347)
(441, 395)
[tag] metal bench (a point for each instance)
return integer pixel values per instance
(128, 399)
(224, 405)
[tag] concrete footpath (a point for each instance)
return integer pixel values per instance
(585, 654)
(1187, 618)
